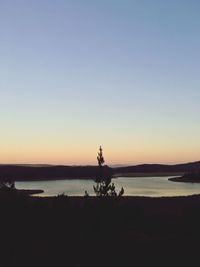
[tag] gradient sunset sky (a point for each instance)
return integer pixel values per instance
(82, 73)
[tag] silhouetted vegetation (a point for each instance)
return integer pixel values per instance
(103, 180)
(7, 185)
(100, 232)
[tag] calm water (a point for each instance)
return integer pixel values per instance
(141, 186)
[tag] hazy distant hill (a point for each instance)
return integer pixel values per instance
(30, 172)
(160, 168)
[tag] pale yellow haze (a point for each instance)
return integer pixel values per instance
(78, 153)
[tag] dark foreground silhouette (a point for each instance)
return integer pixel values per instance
(92, 231)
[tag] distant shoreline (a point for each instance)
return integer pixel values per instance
(30, 191)
(115, 176)
(183, 180)
(145, 174)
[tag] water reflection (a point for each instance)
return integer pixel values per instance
(141, 186)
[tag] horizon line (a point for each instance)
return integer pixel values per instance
(85, 165)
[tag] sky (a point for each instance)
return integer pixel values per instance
(77, 74)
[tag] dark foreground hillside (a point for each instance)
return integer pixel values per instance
(77, 231)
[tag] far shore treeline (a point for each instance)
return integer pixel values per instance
(51, 172)
(35, 173)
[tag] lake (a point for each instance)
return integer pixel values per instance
(141, 186)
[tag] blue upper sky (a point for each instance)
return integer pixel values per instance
(76, 74)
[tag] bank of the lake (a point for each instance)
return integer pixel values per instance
(147, 174)
(30, 191)
(185, 179)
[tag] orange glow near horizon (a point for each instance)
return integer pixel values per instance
(134, 149)
(25, 155)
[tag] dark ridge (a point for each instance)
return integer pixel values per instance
(36, 172)
(153, 168)
(27, 173)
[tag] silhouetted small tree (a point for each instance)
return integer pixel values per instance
(103, 179)
(7, 185)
